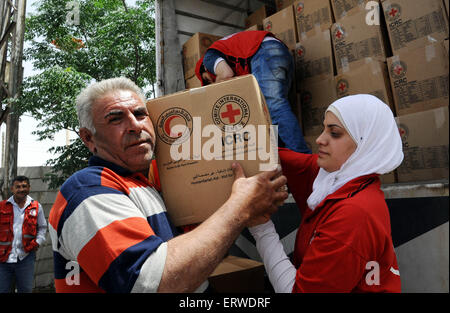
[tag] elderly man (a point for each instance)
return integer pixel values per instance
(108, 225)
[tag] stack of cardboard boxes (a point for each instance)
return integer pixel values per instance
(314, 64)
(418, 70)
(396, 50)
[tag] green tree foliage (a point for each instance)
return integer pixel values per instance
(73, 43)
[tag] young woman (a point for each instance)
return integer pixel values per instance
(344, 242)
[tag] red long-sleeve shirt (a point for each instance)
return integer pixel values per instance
(345, 243)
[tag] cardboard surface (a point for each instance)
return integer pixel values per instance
(254, 27)
(196, 184)
(415, 23)
(370, 78)
(193, 49)
(282, 25)
(311, 143)
(192, 82)
(313, 15)
(316, 96)
(282, 4)
(446, 4)
(236, 274)
(419, 78)
(257, 17)
(354, 40)
(313, 57)
(343, 8)
(425, 138)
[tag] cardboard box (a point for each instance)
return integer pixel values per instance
(425, 145)
(311, 143)
(354, 40)
(316, 96)
(446, 4)
(192, 82)
(370, 78)
(194, 161)
(282, 4)
(314, 57)
(254, 27)
(343, 8)
(257, 17)
(415, 23)
(389, 178)
(193, 49)
(282, 25)
(419, 78)
(313, 15)
(237, 275)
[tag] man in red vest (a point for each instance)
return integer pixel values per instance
(269, 60)
(22, 232)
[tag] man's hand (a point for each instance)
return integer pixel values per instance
(223, 71)
(258, 196)
(193, 256)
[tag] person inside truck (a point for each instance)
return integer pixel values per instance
(109, 226)
(269, 60)
(344, 241)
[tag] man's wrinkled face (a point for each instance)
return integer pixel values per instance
(20, 189)
(124, 132)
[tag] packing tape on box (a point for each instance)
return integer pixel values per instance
(430, 52)
(439, 117)
(303, 36)
(317, 28)
(431, 39)
(345, 65)
(374, 65)
(362, 5)
(395, 58)
(197, 90)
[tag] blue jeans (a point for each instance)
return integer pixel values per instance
(273, 66)
(23, 271)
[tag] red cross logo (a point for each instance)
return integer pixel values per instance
(230, 113)
(300, 52)
(393, 12)
(306, 98)
(398, 69)
(299, 8)
(401, 131)
(342, 86)
(268, 26)
(339, 34)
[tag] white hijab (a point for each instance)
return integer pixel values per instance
(371, 124)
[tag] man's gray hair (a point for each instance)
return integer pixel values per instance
(96, 91)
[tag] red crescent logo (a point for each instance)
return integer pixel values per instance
(167, 127)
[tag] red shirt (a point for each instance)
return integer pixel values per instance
(241, 45)
(345, 243)
(238, 48)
